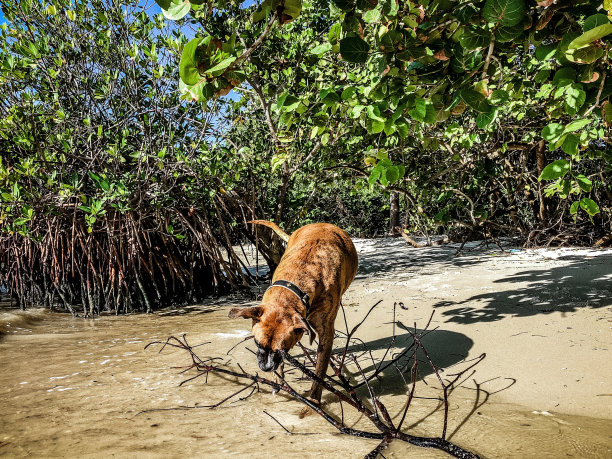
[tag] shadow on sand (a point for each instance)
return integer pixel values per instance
(382, 256)
(583, 283)
(445, 348)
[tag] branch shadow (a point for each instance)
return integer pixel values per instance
(583, 283)
(445, 348)
(379, 256)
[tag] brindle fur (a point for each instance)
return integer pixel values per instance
(322, 261)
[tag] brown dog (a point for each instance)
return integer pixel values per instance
(321, 261)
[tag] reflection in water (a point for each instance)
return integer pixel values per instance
(75, 387)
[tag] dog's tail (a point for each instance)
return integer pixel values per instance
(273, 226)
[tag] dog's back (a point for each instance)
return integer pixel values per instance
(320, 252)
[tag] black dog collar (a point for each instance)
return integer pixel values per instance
(304, 297)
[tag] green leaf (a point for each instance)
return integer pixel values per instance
(281, 100)
(390, 7)
(377, 126)
(499, 97)
(570, 145)
(606, 112)
(402, 128)
(484, 119)
(290, 103)
(475, 100)
(574, 208)
(354, 49)
(374, 113)
(589, 206)
(575, 125)
(420, 109)
(586, 55)
(402, 171)
(221, 66)
(291, 8)
(188, 67)
(374, 175)
(389, 127)
(383, 178)
(553, 132)
(574, 99)
(590, 36)
(163, 4)
(584, 183)
(392, 174)
(594, 21)
(200, 92)
(563, 76)
(464, 60)
(430, 113)
(542, 76)
(348, 93)
(475, 39)
(504, 12)
(334, 33)
(545, 52)
(321, 49)
(178, 9)
(555, 170)
(508, 33)
(372, 16)
(8, 197)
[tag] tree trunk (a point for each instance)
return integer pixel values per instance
(541, 160)
(394, 212)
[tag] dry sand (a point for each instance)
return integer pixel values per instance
(543, 317)
(78, 388)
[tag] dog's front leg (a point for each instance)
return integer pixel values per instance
(323, 354)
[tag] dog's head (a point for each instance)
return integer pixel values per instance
(274, 331)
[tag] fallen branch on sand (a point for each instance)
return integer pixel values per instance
(344, 387)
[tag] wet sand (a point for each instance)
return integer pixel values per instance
(85, 388)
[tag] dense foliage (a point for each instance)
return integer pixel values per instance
(132, 157)
(492, 116)
(109, 191)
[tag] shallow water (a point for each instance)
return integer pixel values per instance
(88, 388)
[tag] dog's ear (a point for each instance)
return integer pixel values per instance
(305, 325)
(254, 312)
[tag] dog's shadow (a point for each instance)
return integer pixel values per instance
(445, 349)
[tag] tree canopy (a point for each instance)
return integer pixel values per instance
(465, 106)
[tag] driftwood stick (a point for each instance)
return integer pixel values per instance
(407, 238)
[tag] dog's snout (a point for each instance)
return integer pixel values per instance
(268, 360)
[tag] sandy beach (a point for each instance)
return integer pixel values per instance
(86, 388)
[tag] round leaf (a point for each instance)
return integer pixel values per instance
(504, 12)
(392, 174)
(589, 206)
(178, 9)
(354, 49)
(552, 132)
(555, 170)
(594, 21)
(475, 100)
